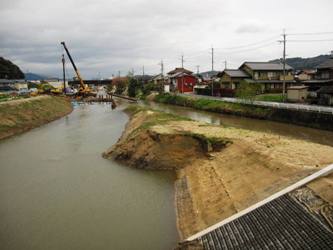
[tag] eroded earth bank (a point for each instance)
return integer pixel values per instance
(220, 170)
(22, 115)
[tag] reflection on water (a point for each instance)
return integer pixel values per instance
(57, 192)
(298, 132)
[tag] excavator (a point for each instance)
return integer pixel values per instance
(84, 90)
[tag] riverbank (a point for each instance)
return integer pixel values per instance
(18, 116)
(304, 118)
(220, 170)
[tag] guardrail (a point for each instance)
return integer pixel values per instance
(293, 106)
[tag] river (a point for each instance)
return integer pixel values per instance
(57, 192)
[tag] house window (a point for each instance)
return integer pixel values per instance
(256, 76)
(271, 74)
(325, 75)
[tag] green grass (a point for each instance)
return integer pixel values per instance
(215, 105)
(25, 115)
(208, 143)
(269, 98)
(158, 118)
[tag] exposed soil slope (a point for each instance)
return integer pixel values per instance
(220, 170)
(21, 115)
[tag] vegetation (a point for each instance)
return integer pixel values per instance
(215, 105)
(208, 143)
(133, 87)
(119, 84)
(305, 63)
(17, 117)
(9, 70)
(270, 97)
(5, 97)
(248, 91)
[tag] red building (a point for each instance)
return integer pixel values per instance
(182, 80)
(185, 83)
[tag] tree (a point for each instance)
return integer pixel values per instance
(248, 91)
(132, 87)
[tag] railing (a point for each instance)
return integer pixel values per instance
(292, 106)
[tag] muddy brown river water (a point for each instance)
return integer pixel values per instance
(57, 192)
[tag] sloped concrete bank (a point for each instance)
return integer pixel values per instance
(304, 118)
(22, 115)
(219, 170)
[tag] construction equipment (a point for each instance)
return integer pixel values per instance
(84, 90)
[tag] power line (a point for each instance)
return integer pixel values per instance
(310, 33)
(250, 44)
(314, 40)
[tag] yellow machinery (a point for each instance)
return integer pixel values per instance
(84, 90)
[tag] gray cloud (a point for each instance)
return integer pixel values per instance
(108, 35)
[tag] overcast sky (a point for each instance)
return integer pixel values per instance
(106, 36)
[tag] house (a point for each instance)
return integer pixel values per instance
(158, 79)
(269, 75)
(325, 70)
(305, 74)
(297, 93)
(230, 80)
(323, 76)
(7, 89)
(325, 95)
(181, 80)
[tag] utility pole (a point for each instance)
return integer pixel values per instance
(162, 67)
(182, 61)
(212, 70)
(284, 65)
(225, 64)
(63, 71)
(143, 74)
(212, 59)
(198, 69)
(119, 73)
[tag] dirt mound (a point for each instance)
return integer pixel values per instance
(150, 148)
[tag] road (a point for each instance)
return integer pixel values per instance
(294, 106)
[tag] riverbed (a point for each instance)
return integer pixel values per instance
(57, 192)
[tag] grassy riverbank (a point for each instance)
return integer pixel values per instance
(17, 116)
(214, 106)
(220, 170)
(298, 117)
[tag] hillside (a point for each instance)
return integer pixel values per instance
(34, 77)
(9, 70)
(305, 63)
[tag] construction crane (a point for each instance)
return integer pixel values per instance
(84, 89)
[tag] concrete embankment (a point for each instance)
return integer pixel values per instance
(22, 115)
(219, 170)
(299, 117)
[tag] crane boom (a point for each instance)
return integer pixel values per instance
(83, 86)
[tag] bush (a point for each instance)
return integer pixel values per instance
(214, 105)
(120, 87)
(248, 90)
(132, 87)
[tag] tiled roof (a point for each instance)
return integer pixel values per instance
(235, 73)
(266, 66)
(282, 223)
(176, 70)
(327, 64)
